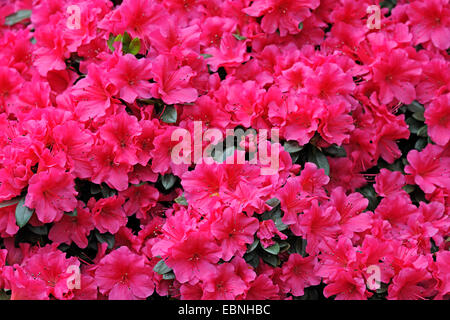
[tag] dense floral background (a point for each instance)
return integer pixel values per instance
(92, 206)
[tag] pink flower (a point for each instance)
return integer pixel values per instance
(224, 284)
(410, 284)
(298, 273)
(108, 214)
(51, 193)
(438, 120)
(430, 20)
(124, 275)
(429, 168)
(173, 83)
(234, 230)
(194, 257)
(389, 182)
(347, 286)
(73, 228)
(316, 225)
(267, 230)
(131, 76)
(284, 15)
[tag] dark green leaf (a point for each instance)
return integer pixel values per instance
(238, 36)
(168, 180)
(274, 249)
(105, 237)
(161, 267)
(41, 230)
(413, 125)
(270, 259)
(252, 259)
(420, 144)
(336, 151)
(292, 146)
(17, 17)
(169, 276)
(409, 188)
(273, 202)
(23, 213)
(253, 246)
(300, 26)
(169, 115)
(206, 55)
(126, 40)
(74, 213)
(423, 132)
(320, 160)
(416, 107)
(419, 116)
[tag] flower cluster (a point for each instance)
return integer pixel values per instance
(93, 205)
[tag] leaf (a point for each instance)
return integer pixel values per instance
(419, 116)
(239, 37)
(206, 55)
(105, 237)
(423, 132)
(284, 246)
(161, 267)
(416, 107)
(73, 213)
(41, 230)
(181, 200)
(413, 125)
(409, 188)
(300, 246)
(336, 151)
(273, 202)
(274, 249)
(17, 17)
(168, 180)
(169, 115)
(252, 259)
(279, 224)
(107, 192)
(169, 276)
(420, 144)
(369, 193)
(126, 40)
(8, 203)
(300, 26)
(23, 213)
(270, 259)
(292, 146)
(320, 160)
(253, 246)
(135, 46)
(111, 41)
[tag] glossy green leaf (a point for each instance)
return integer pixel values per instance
(23, 213)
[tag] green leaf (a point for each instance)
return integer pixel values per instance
(420, 144)
(270, 259)
(8, 203)
(284, 246)
(239, 37)
(336, 151)
(206, 55)
(168, 180)
(126, 40)
(111, 41)
(423, 132)
(273, 202)
(369, 193)
(419, 116)
(181, 200)
(17, 17)
(416, 107)
(105, 237)
(135, 46)
(253, 246)
(300, 246)
(279, 224)
(252, 259)
(274, 249)
(409, 188)
(413, 125)
(169, 276)
(292, 146)
(300, 26)
(40, 230)
(107, 192)
(320, 160)
(23, 213)
(161, 267)
(169, 115)
(74, 213)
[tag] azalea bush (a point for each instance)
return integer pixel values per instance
(94, 204)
